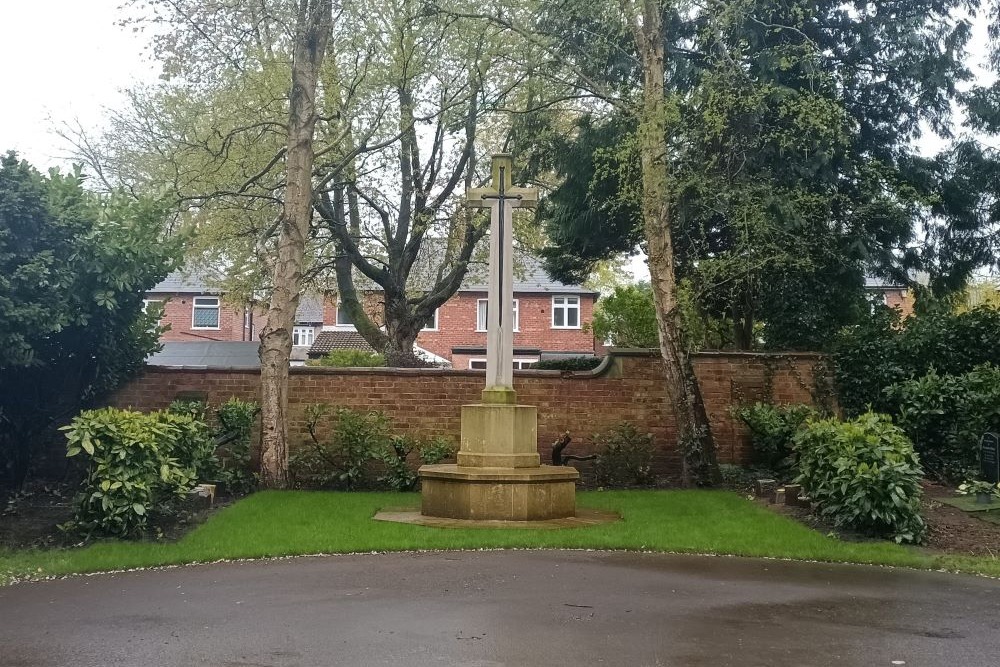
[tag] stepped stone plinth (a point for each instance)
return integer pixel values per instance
(498, 476)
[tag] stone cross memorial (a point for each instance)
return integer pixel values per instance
(501, 199)
(498, 474)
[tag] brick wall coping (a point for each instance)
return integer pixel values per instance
(606, 364)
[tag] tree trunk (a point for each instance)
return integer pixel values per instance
(699, 464)
(313, 27)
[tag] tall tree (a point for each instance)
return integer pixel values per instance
(313, 25)
(407, 98)
(789, 181)
(645, 17)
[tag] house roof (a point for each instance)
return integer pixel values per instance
(195, 280)
(202, 354)
(310, 309)
(529, 278)
(876, 283)
(327, 341)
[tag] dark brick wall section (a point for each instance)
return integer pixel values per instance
(427, 401)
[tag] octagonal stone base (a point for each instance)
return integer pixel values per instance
(498, 494)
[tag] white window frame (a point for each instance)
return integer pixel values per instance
(482, 315)
(566, 306)
(146, 303)
(435, 317)
(217, 307)
(337, 320)
(521, 363)
(308, 332)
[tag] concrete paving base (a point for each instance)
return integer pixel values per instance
(583, 518)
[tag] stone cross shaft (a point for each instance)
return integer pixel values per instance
(501, 198)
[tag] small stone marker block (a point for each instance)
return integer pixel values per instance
(764, 488)
(792, 493)
(201, 496)
(779, 496)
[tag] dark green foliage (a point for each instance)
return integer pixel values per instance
(568, 364)
(791, 147)
(361, 452)
(137, 465)
(772, 428)
(220, 455)
(344, 459)
(73, 269)
(863, 475)
(584, 218)
(235, 425)
(195, 446)
(946, 415)
(882, 351)
(394, 455)
(627, 317)
(436, 450)
(349, 359)
(624, 457)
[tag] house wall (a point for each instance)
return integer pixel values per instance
(901, 300)
(457, 327)
(628, 386)
(178, 313)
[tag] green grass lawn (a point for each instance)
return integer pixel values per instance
(300, 522)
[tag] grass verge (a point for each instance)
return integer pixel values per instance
(288, 523)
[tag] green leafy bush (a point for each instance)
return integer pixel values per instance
(235, 426)
(883, 351)
(194, 447)
(627, 317)
(394, 455)
(624, 457)
(343, 460)
(361, 452)
(350, 359)
(946, 415)
(568, 364)
(136, 467)
(436, 450)
(772, 428)
(863, 474)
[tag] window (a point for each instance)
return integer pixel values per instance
(344, 318)
(303, 336)
(153, 307)
(432, 322)
(205, 312)
(519, 364)
(481, 315)
(565, 312)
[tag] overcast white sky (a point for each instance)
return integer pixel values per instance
(66, 61)
(62, 60)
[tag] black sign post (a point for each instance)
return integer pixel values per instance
(989, 457)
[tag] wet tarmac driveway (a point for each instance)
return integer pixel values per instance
(505, 608)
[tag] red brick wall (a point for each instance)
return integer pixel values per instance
(457, 326)
(901, 300)
(177, 312)
(428, 401)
